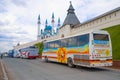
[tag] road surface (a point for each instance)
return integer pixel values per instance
(24, 69)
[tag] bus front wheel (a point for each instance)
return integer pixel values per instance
(70, 63)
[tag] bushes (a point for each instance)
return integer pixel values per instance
(40, 47)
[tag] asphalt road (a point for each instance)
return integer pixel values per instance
(24, 69)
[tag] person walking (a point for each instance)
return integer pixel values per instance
(1, 56)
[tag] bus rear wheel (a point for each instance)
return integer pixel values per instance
(70, 63)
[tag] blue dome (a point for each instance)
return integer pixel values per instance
(48, 28)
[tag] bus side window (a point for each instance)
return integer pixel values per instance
(48, 45)
(57, 43)
(45, 45)
(83, 39)
(72, 41)
(52, 45)
(64, 42)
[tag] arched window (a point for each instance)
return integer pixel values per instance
(62, 35)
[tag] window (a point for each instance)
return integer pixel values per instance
(51, 44)
(72, 41)
(83, 39)
(45, 45)
(69, 42)
(57, 43)
(62, 35)
(101, 37)
(64, 42)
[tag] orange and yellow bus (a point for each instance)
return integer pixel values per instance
(91, 49)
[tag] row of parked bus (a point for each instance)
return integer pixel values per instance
(28, 53)
(89, 49)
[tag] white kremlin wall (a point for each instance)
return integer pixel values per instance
(108, 19)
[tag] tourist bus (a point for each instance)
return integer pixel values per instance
(29, 52)
(90, 49)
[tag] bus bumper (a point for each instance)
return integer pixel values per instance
(100, 64)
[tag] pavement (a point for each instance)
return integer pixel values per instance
(1, 72)
(36, 69)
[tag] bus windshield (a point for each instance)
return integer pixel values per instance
(101, 37)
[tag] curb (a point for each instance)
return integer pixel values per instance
(4, 72)
(112, 69)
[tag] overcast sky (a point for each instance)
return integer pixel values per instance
(18, 18)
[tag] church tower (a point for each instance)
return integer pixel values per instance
(39, 33)
(53, 22)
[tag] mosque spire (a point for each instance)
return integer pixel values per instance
(53, 16)
(59, 22)
(53, 22)
(39, 17)
(39, 33)
(46, 23)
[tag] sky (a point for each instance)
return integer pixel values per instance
(18, 18)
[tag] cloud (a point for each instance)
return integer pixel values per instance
(19, 2)
(92, 8)
(2, 8)
(5, 46)
(18, 18)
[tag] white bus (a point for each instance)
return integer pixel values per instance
(92, 49)
(29, 52)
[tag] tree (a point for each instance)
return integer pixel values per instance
(40, 47)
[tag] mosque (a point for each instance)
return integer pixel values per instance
(49, 30)
(52, 30)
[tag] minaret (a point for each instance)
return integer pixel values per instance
(46, 23)
(39, 33)
(58, 26)
(58, 22)
(53, 21)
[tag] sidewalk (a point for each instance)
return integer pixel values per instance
(1, 72)
(116, 65)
